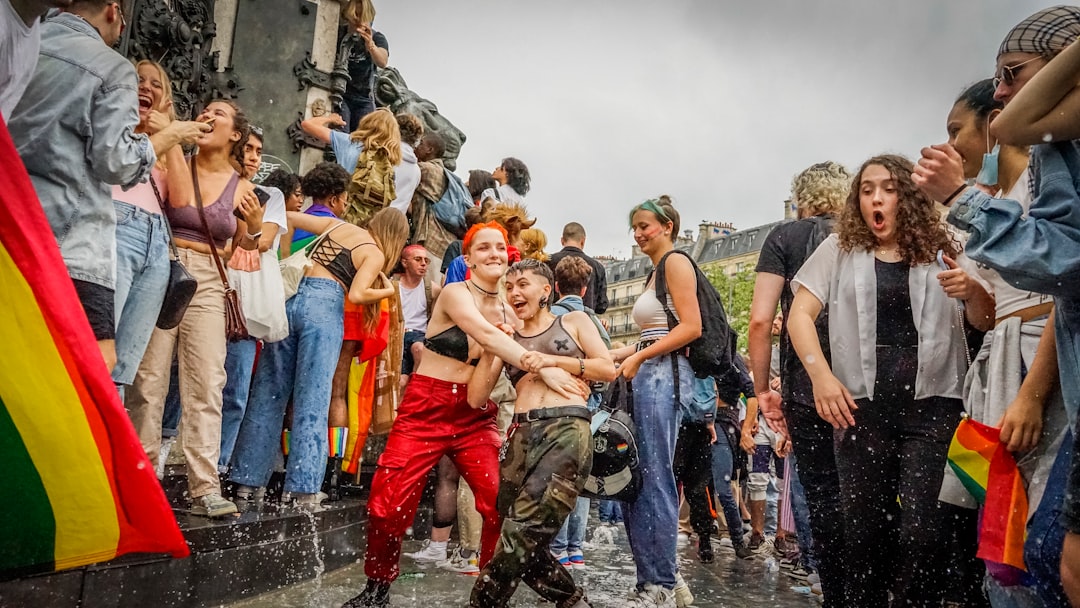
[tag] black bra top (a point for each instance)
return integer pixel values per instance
(336, 259)
(451, 342)
(552, 341)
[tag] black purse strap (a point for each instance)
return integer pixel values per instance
(165, 217)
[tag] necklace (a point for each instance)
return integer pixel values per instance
(490, 294)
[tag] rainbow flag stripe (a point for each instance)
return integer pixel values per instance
(78, 487)
(972, 448)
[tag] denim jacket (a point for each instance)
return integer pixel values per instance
(75, 131)
(1040, 252)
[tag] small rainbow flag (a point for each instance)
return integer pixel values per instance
(78, 487)
(988, 470)
(338, 436)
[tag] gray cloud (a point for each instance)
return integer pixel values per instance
(717, 103)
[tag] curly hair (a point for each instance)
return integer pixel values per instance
(284, 180)
(517, 175)
(480, 180)
(513, 217)
(533, 241)
(411, 128)
(821, 188)
(379, 130)
(324, 180)
(920, 232)
(663, 209)
(572, 275)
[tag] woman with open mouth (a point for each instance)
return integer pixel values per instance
(435, 419)
(548, 451)
(894, 390)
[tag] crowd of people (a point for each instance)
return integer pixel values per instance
(910, 295)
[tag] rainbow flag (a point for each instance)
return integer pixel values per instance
(988, 470)
(78, 487)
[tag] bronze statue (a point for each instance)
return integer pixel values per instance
(391, 92)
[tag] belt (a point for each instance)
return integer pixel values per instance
(548, 413)
(643, 344)
(1028, 314)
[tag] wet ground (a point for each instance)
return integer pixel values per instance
(608, 576)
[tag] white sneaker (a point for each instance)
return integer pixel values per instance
(212, 505)
(459, 563)
(683, 597)
(652, 596)
(429, 553)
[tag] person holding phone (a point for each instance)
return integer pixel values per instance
(199, 342)
(895, 384)
(369, 51)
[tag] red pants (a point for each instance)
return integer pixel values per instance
(434, 419)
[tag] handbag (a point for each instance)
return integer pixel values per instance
(181, 286)
(294, 266)
(235, 325)
(616, 470)
(262, 298)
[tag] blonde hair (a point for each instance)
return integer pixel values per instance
(379, 131)
(514, 217)
(533, 241)
(167, 95)
(390, 230)
(358, 11)
(821, 189)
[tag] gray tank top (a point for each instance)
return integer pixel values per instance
(552, 341)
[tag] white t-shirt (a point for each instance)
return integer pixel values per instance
(19, 46)
(504, 194)
(1009, 299)
(414, 307)
(406, 179)
(275, 213)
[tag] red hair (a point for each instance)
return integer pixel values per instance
(467, 241)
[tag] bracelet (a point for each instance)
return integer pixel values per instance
(255, 236)
(581, 362)
(953, 195)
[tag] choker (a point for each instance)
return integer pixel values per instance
(490, 294)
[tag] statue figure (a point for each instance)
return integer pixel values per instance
(391, 92)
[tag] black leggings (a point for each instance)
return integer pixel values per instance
(891, 464)
(693, 469)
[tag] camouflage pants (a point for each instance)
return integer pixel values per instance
(545, 466)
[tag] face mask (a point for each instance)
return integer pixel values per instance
(988, 175)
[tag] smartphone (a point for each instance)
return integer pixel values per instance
(941, 259)
(262, 195)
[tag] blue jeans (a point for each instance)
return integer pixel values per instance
(1046, 534)
(170, 417)
(239, 363)
(610, 512)
(652, 520)
(572, 533)
(142, 274)
(301, 366)
(801, 511)
(723, 463)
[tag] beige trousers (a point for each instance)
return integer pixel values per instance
(199, 344)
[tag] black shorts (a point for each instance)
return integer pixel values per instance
(100, 306)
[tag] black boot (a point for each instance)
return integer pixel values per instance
(332, 482)
(704, 549)
(374, 595)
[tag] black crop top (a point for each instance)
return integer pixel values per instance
(451, 342)
(336, 259)
(552, 341)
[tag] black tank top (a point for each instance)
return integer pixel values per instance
(552, 341)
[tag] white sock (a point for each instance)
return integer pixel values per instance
(437, 546)
(163, 455)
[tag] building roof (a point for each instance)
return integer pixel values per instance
(736, 244)
(634, 268)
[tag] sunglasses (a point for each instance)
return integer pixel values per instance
(1009, 72)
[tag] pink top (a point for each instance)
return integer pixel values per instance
(142, 195)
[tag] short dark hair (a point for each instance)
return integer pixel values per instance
(283, 180)
(436, 142)
(572, 275)
(325, 179)
(573, 232)
(979, 98)
(480, 180)
(517, 175)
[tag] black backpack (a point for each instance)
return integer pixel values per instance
(823, 227)
(711, 353)
(616, 472)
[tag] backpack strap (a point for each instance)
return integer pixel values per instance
(660, 287)
(427, 296)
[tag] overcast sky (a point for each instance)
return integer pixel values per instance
(716, 103)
